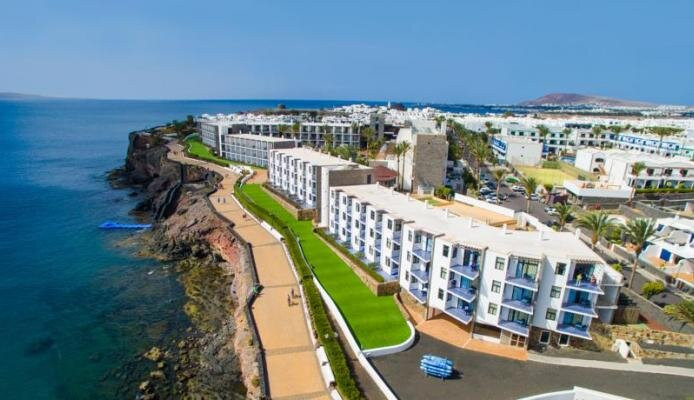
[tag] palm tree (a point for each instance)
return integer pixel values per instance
(599, 223)
(530, 186)
(638, 231)
(282, 128)
(662, 132)
(564, 213)
(401, 150)
(374, 147)
(368, 135)
(296, 130)
(480, 152)
(636, 169)
(543, 131)
(329, 139)
(498, 175)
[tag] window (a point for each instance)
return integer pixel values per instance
(371, 250)
(446, 249)
(409, 236)
(544, 337)
(407, 275)
(500, 263)
(555, 292)
(564, 340)
(356, 207)
(444, 273)
(372, 214)
(387, 261)
(551, 314)
(387, 243)
(440, 294)
(390, 224)
(496, 286)
(455, 252)
(371, 232)
(561, 269)
(492, 309)
(417, 238)
(409, 257)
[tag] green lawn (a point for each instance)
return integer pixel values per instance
(375, 321)
(200, 150)
(545, 175)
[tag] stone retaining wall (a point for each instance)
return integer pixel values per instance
(297, 212)
(654, 313)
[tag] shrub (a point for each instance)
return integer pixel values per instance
(443, 192)
(652, 288)
(683, 311)
(617, 267)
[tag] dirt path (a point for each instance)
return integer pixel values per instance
(292, 366)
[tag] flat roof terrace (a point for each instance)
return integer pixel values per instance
(317, 158)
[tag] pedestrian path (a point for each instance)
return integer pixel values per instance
(292, 366)
(615, 366)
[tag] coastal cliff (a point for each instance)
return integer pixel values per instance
(219, 357)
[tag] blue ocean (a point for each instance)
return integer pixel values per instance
(77, 306)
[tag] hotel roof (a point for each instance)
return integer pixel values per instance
(259, 138)
(637, 156)
(317, 158)
(468, 232)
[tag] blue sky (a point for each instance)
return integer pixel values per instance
(433, 51)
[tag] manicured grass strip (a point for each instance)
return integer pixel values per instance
(375, 321)
(344, 380)
(359, 263)
(197, 149)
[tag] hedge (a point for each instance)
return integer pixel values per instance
(356, 260)
(665, 190)
(551, 165)
(321, 322)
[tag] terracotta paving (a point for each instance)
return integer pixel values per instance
(292, 367)
(446, 329)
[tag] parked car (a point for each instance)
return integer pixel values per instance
(517, 188)
(503, 197)
(550, 210)
(534, 197)
(485, 190)
(492, 200)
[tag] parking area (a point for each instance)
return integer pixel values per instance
(483, 376)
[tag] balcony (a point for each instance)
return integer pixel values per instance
(422, 276)
(362, 217)
(583, 308)
(585, 286)
(576, 330)
(464, 316)
(515, 327)
(467, 294)
(422, 255)
(518, 305)
(397, 238)
(468, 271)
(525, 282)
(420, 296)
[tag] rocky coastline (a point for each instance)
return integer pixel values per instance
(218, 356)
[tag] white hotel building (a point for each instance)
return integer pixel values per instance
(502, 285)
(252, 149)
(305, 176)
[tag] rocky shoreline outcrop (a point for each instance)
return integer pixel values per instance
(218, 359)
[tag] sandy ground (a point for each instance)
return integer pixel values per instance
(292, 366)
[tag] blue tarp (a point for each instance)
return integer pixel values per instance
(118, 225)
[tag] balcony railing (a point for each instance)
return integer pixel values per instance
(514, 327)
(460, 314)
(423, 276)
(577, 330)
(421, 296)
(422, 255)
(397, 238)
(584, 285)
(469, 271)
(467, 294)
(525, 282)
(519, 305)
(583, 308)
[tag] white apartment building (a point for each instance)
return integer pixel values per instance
(517, 150)
(502, 285)
(616, 165)
(252, 149)
(673, 242)
(305, 176)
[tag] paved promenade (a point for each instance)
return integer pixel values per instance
(292, 366)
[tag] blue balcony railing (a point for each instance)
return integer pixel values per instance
(423, 276)
(462, 315)
(469, 271)
(525, 282)
(419, 295)
(583, 308)
(577, 330)
(467, 294)
(520, 305)
(585, 286)
(514, 327)
(422, 255)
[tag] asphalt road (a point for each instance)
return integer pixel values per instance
(483, 376)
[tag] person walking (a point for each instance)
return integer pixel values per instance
(289, 301)
(292, 293)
